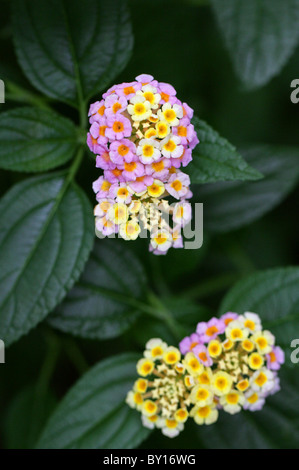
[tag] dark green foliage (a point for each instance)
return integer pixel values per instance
(79, 313)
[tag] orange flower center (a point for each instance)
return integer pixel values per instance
(130, 166)
(116, 107)
(182, 131)
(101, 110)
(128, 90)
(123, 150)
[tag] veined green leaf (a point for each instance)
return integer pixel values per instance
(70, 49)
(215, 159)
(34, 139)
(274, 295)
(101, 305)
(93, 414)
(260, 35)
(231, 205)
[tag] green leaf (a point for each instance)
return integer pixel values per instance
(46, 234)
(260, 35)
(231, 205)
(71, 49)
(276, 426)
(215, 159)
(111, 283)
(35, 140)
(21, 409)
(274, 295)
(93, 414)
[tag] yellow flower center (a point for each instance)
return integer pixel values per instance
(171, 423)
(232, 398)
(155, 189)
(141, 385)
(147, 368)
(150, 133)
(122, 192)
(194, 364)
(162, 129)
(255, 361)
(169, 115)
(138, 398)
(170, 146)
(149, 96)
(221, 383)
(262, 342)
(204, 411)
(177, 185)
(181, 414)
(253, 398)
(171, 358)
(247, 345)
(202, 394)
(236, 333)
(105, 186)
(243, 385)
(158, 166)
(261, 379)
(139, 109)
(249, 324)
(150, 406)
(157, 351)
(204, 378)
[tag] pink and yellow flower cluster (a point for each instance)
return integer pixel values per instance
(230, 363)
(142, 135)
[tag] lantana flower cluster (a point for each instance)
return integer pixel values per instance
(142, 135)
(230, 363)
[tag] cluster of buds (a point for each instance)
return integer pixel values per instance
(229, 364)
(142, 134)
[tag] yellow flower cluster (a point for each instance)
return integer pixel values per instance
(161, 393)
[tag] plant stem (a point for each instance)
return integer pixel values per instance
(162, 313)
(160, 283)
(75, 355)
(75, 165)
(43, 381)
